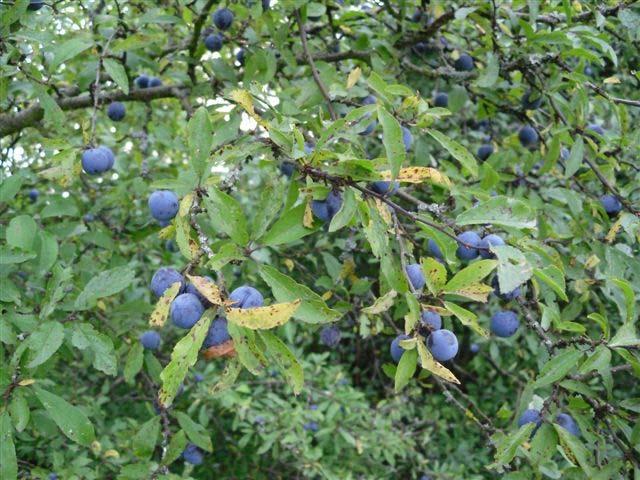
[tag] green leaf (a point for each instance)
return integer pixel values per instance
(471, 275)
(287, 228)
(144, 442)
(195, 432)
(133, 363)
(513, 268)
(271, 199)
(629, 297)
(544, 444)
(490, 74)
(626, 336)
(507, 445)
(375, 228)
(199, 138)
(435, 274)
(346, 212)
(406, 368)
(19, 410)
(9, 187)
(558, 367)
(117, 73)
(574, 161)
(553, 277)
(226, 215)
(313, 308)
(21, 232)
(105, 284)
(47, 247)
(69, 418)
(227, 252)
(381, 304)
(249, 355)
(9, 463)
(177, 444)
(467, 318)
(104, 356)
(500, 210)
(8, 257)
(53, 114)
(44, 342)
(457, 151)
(392, 140)
(68, 50)
(183, 356)
(227, 378)
(285, 360)
(574, 450)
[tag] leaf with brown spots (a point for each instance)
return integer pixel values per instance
(262, 318)
(429, 363)
(381, 304)
(478, 292)
(435, 274)
(161, 310)
(209, 290)
(418, 175)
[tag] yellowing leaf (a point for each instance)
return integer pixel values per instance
(435, 274)
(167, 232)
(467, 318)
(185, 205)
(615, 228)
(477, 292)
(111, 453)
(26, 382)
(354, 76)
(244, 99)
(418, 175)
(307, 220)
(161, 310)
(263, 317)
(429, 363)
(381, 304)
(385, 213)
(209, 290)
(611, 80)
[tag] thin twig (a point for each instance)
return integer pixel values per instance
(314, 70)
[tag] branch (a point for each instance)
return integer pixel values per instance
(602, 92)
(604, 11)
(363, 55)
(439, 72)
(14, 122)
(193, 44)
(314, 70)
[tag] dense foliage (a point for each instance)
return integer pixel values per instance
(340, 239)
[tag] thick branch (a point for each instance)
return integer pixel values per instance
(14, 122)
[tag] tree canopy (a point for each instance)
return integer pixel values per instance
(340, 239)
